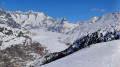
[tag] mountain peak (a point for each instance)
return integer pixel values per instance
(92, 20)
(18, 11)
(95, 18)
(34, 12)
(1, 9)
(64, 19)
(30, 11)
(79, 22)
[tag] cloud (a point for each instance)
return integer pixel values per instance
(3, 3)
(96, 9)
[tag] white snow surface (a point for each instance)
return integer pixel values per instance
(51, 40)
(12, 42)
(97, 55)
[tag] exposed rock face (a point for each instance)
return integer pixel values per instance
(20, 55)
(0, 43)
(6, 31)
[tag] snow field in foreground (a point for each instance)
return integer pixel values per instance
(97, 55)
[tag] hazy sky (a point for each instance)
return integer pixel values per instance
(72, 10)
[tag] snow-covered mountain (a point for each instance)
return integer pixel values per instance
(6, 19)
(36, 20)
(107, 22)
(16, 47)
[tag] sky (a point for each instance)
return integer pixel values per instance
(72, 10)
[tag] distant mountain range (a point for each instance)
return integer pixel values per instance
(39, 20)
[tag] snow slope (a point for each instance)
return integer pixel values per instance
(13, 42)
(98, 55)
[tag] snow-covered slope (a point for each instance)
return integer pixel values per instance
(108, 22)
(35, 20)
(97, 55)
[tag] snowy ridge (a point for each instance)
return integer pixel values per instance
(92, 20)
(106, 21)
(36, 20)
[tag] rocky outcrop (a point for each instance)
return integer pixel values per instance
(20, 54)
